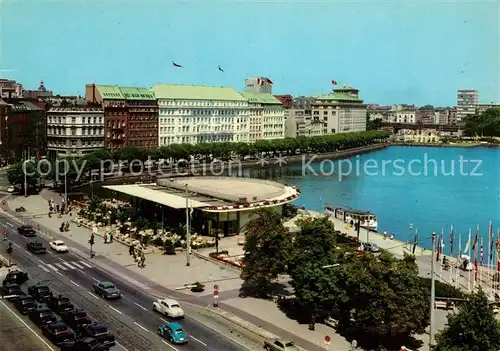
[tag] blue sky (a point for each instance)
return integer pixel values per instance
(394, 52)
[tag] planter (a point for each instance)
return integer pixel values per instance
(197, 287)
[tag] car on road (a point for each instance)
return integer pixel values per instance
(84, 344)
(98, 331)
(40, 292)
(169, 308)
(279, 345)
(26, 230)
(15, 276)
(36, 247)
(58, 246)
(75, 318)
(11, 291)
(60, 304)
(371, 247)
(107, 290)
(25, 304)
(173, 332)
(42, 316)
(58, 333)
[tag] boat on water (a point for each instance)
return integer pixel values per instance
(366, 219)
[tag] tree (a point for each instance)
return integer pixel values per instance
(473, 328)
(16, 173)
(373, 124)
(267, 250)
(486, 123)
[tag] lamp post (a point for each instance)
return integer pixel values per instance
(433, 293)
(188, 234)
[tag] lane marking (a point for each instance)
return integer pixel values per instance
(72, 282)
(16, 245)
(78, 265)
(68, 265)
(39, 260)
(114, 309)
(166, 343)
(201, 342)
(78, 269)
(140, 326)
(28, 253)
(27, 326)
(52, 267)
(9, 224)
(86, 264)
(95, 279)
(95, 297)
(50, 253)
(164, 320)
(61, 266)
(145, 309)
(59, 273)
(43, 267)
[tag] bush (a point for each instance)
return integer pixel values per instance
(215, 254)
(158, 242)
(442, 289)
(198, 287)
(169, 248)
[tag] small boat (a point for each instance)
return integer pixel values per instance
(365, 218)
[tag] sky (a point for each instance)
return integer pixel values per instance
(417, 52)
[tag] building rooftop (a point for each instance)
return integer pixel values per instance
(336, 96)
(261, 98)
(76, 109)
(114, 92)
(196, 92)
(24, 106)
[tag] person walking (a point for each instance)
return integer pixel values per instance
(143, 260)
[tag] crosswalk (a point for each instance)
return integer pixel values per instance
(64, 266)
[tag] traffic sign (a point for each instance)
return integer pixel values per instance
(327, 340)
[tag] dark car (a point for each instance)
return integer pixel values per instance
(26, 230)
(42, 316)
(15, 277)
(60, 304)
(40, 292)
(36, 247)
(107, 290)
(58, 333)
(75, 318)
(25, 303)
(11, 291)
(84, 344)
(100, 332)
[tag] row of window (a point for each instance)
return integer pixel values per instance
(202, 120)
(202, 103)
(165, 112)
(74, 120)
(75, 131)
(76, 143)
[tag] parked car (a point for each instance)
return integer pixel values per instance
(169, 308)
(58, 246)
(107, 290)
(36, 247)
(279, 345)
(371, 247)
(75, 318)
(15, 276)
(25, 303)
(40, 292)
(58, 333)
(11, 291)
(60, 304)
(84, 344)
(42, 316)
(98, 331)
(26, 230)
(173, 332)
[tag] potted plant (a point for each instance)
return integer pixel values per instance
(198, 287)
(169, 247)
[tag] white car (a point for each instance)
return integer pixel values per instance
(169, 308)
(58, 245)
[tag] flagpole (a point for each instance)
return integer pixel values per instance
(488, 270)
(457, 275)
(470, 259)
(451, 255)
(441, 256)
(481, 265)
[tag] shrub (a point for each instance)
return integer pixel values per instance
(169, 248)
(442, 289)
(158, 241)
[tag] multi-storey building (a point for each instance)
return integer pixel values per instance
(286, 100)
(41, 92)
(259, 85)
(425, 116)
(266, 116)
(130, 115)
(406, 116)
(483, 107)
(10, 89)
(74, 131)
(198, 114)
(466, 104)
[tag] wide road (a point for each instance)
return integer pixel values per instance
(129, 318)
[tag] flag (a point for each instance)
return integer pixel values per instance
(491, 241)
(459, 246)
(334, 82)
(269, 81)
(451, 240)
(466, 249)
(415, 243)
(475, 239)
(475, 268)
(481, 253)
(176, 65)
(498, 250)
(438, 247)
(259, 82)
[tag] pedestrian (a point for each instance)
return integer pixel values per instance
(385, 234)
(110, 237)
(143, 260)
(106, 238)
(66, 227)
(392, 236)
(57, 207)
(133, 253)
(131, 250)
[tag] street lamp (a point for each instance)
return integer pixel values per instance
(433, 292)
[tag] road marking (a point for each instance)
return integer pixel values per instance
(164, 320)
(86, 264)
(52, 267)
(39, 260)
(201, 342)
(78, 265)
(78, 269)
(95, 279)
(166, 343)
(43, 267)
(140, 326)
(61, 266)
(114, 309)
(68, 265)
(145, 309)
(27, 326)
(28, 253)
(16, 245)
(117, 343)
(50, 253)
(95, 297)
(10, 225)
(59, 273)
(72, 282)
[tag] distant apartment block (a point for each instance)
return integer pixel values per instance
(41, 92)
(130, 115)
(258, 85)
(466, 104)
(74, 131)
(266, 116)
(483, 107)
(10, 89)
(407, 116)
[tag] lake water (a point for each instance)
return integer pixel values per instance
(431, 188)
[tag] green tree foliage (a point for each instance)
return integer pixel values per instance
(486, 123)
(16, 172)
(472, 328)
(373, 124)
(267, 250)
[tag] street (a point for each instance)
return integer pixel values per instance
(130, 318)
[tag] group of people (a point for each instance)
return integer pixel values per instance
(59, 209)
(138, 256)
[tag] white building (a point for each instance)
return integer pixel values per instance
(197, 114)
(266, 116)
(466, 104)
(258, 85)
(74, 131)
(406, 116)
(483, 107)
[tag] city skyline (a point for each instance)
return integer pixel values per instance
(418, 53)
